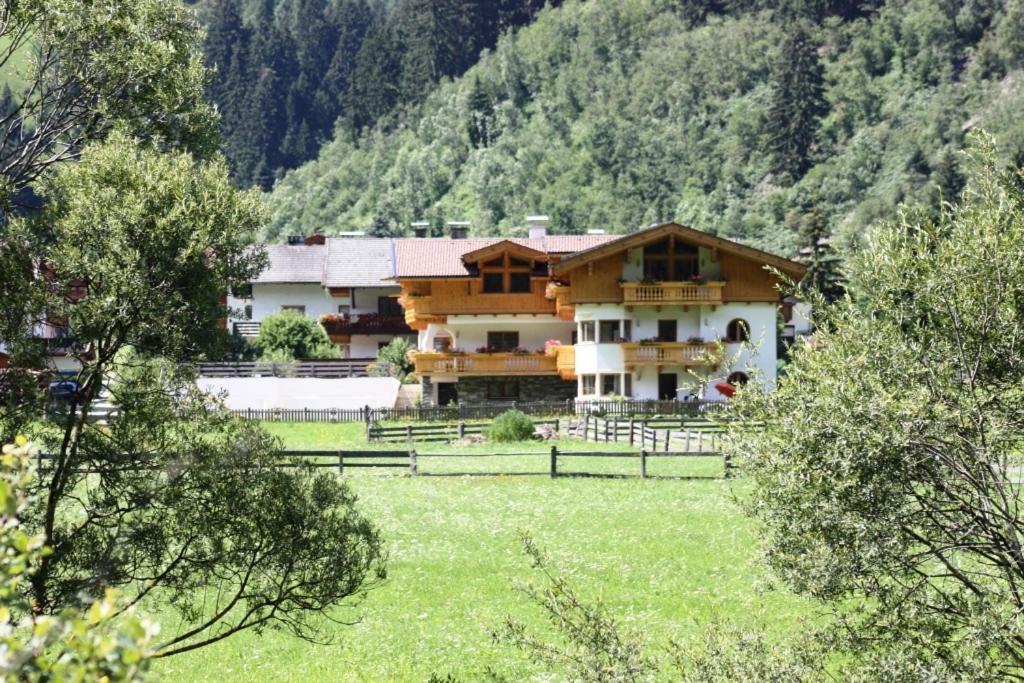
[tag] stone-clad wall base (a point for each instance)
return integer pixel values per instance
(473, 390)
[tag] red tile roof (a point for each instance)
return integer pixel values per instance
(442, 257)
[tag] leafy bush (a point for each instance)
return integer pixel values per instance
(289, 334)
(512, 425)
(393, 360)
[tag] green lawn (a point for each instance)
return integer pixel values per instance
(666, 554)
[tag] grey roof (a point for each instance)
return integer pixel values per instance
(358, 262)
(293, 264)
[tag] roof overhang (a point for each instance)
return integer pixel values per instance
(637, 239)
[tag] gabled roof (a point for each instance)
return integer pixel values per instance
(340, 262)
(358, 262)
(501, 247)
(654, 233)
(293, 264)
(443, 257)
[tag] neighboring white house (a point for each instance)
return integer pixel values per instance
(342, 282)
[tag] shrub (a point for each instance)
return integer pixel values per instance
(290, 335)
(512, 425)
(393, 360)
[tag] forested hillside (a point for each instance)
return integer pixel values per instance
(288, 70)
(764, 124)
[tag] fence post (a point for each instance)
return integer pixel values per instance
(341, 463)
(461, 411)
(413, 468)
(668, 439)
(727, 462)
(605, 431)
(462, 429)
(643, 464)
(630, 431)
(408, 432)
(554, 461)
(248, 414)
(557, 427)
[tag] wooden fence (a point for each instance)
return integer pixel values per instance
(327, 369)
(441, 431)
(665, 433)
(411, 459)
(621, 409)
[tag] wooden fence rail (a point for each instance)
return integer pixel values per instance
(328, 369)
(342, 460)
(664, 410)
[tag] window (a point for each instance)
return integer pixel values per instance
(494, 283)
(247, 312)
(587, 331)
(588, 385)
(297, 309)
(381, 345)
(737, 331)
(442, 342)
(506, 274)
(242, 292)
(519, 283)
(671, 260)
(502, 341)
(738, 378)
(667, 330)
(608, 331)
(389, 307)
(628, 389)
(610, 385)
(344, 309)
(504, 390)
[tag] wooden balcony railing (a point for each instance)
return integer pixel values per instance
(367, 323)
(564, 309)
(469, 364)
(671, 353)
(671, 293)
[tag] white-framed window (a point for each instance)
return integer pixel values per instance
(587, 330)
(611, 384)
(588, 385)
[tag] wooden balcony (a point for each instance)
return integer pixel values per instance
(672, 294)
(478, 364)
(661, 354)
(340, 328)
(564, 309)
(565, 361)
(418, 312)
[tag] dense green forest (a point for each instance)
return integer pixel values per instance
(777, 126)
(288, 71)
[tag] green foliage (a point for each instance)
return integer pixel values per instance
(511, 425)
(100, 643)
(289, 335)
(797, 104)
(886, 471)
(96, 66)
(618, 114)
(393, 359)
(288, 71)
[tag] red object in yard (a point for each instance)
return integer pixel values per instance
(726, 389)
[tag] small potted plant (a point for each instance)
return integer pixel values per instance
(695, 339)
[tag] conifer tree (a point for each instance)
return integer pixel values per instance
(797, 105)
(816, 252)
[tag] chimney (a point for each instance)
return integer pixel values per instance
(537, 226)
(295, 240)
(458, 230)
(316, 238)
(420, 228)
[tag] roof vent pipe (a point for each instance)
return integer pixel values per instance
(595, 232)
(458, 230)
(537, 226)
(420, 228)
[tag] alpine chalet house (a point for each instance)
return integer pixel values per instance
(342, 282)
(657, 314)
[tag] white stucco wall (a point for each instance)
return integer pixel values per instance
(761, 317)
(366, 345)
(269, 299)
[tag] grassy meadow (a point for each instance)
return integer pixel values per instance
(665, 555)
